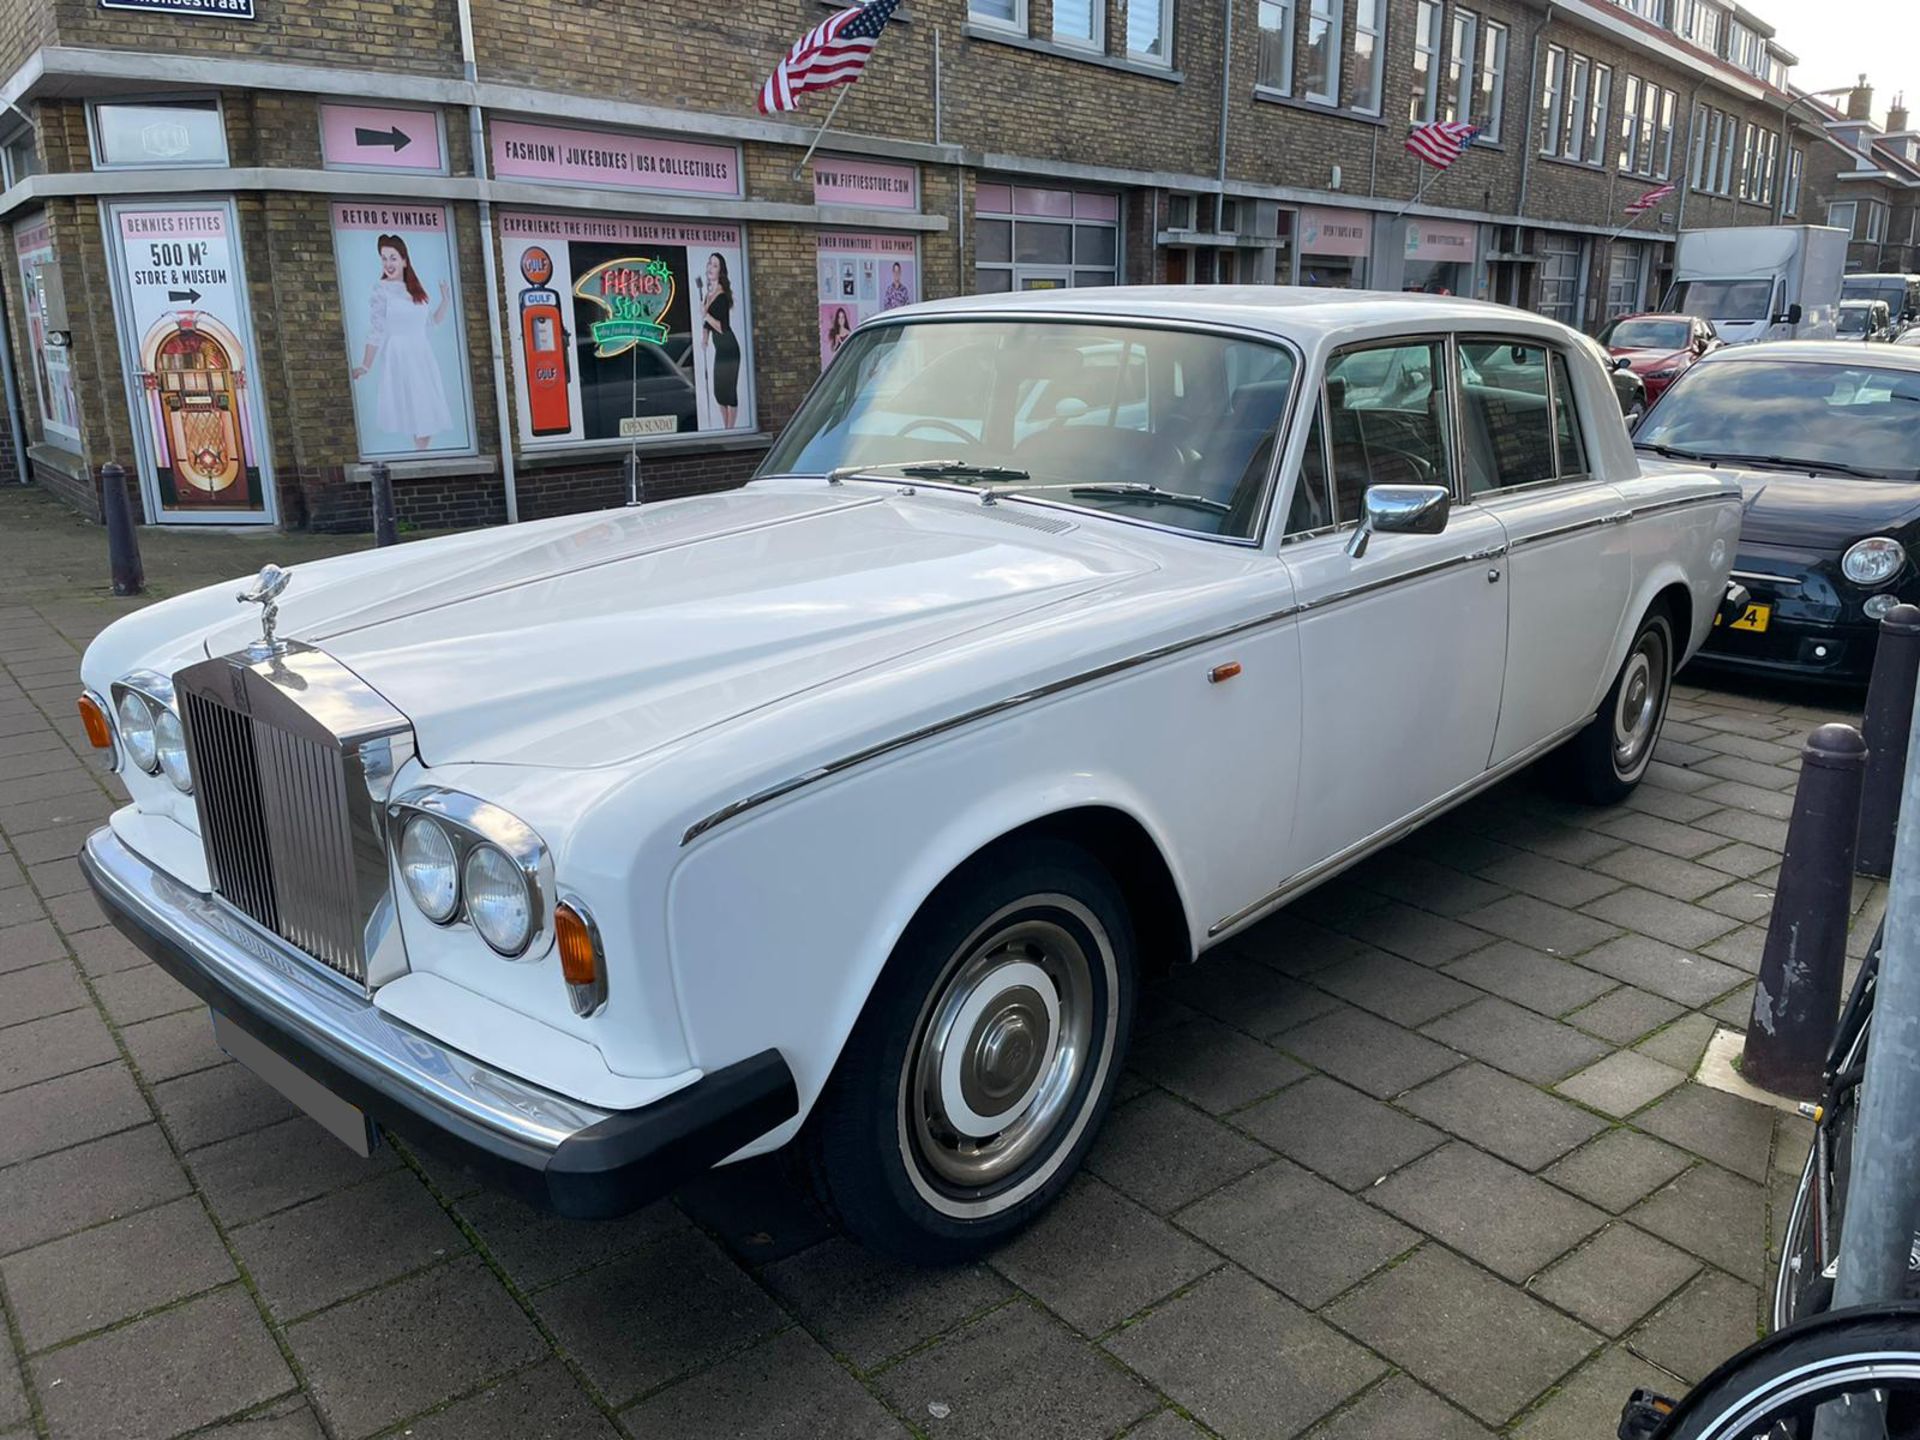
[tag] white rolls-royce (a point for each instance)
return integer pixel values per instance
(1059, 638)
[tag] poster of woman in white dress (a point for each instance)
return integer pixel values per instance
(405, 344)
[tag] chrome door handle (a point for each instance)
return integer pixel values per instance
(1619, 517)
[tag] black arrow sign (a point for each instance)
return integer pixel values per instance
(190, 297)
(396, 137)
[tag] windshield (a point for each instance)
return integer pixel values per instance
(1852, 321)
(1850, 417)
(1647, 335)
(1173, 426)
(1734, 300)
(1894, 292)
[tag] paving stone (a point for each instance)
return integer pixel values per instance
(1615, 1278)
(536, 1247)
(1673, 921)
(1664, 874)
(1399, 1409)
(1664, 969)
(252, 1175)
(1165, 1153)
(1243, 1361)
(1541, 835)
(1498, 1349)
(14, 1409)
(1748, 747)
(289, 1419)
(31, 944)
(1741, 860)
(1621, 1083)
(58, 877)
(1158, 1010)
(1095, 1257)
(1734, 1010)
(1551, 880)
(1346, 1136)
(1527, 977)
(869, 1308)
(1441, 889)
(544, 1402)
(1673, 778)
(1293, 945)
(1777, 804)
(142, 993)
(105, 952)
(217, 1104)
(1732, 1132)
(1666, 836)
(1419, 935)
(1741, 948)
(62, 843)
(1014, 1372)
(612, 1322)
(1792, 1138)
(1758, 830)
(1713, 1318)
(169, 1372)
(1336, 904)
(760, 1208)
(77, 913)
(1750, 773)
(1167, 1425)
(1587, 1407)
(1500, 1216)
(172, 1046)
(1535, 923)
(1744, 720)
(1303, 1236)
(1625, 1014)
(1707, 1212)
(1398, 990)
(1216, 1068)
(786, 1388)
(39, 991)
(59, 1045)
(1247, 995)
(299, 1264)
(1380, 1058)
(1742, 900)
(104, 1275)
(56, 812)
(1508, 1117)
(69, 1190)
(400, 1349)
(1515, 1040)
(1669, 803)
(19, 906)
(54, 1114)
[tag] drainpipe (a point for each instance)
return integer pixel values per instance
(1686, 161)
(1533, 113)
(1226, 99)
(476, 140)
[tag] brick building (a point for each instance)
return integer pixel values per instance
(257, 249)
(1866, 181)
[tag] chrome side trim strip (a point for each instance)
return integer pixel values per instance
(1765, 578)
(1660, 506)
(1340, 597)
(1360, 849)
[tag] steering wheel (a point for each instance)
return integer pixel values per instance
(935, 422)
(1421, 466)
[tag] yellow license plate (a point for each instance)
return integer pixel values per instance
(1754, 617)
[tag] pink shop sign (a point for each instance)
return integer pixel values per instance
(872, 184)
(613, 160)
(381, 137)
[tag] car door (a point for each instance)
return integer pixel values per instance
(1402, 650)
(1569, 565)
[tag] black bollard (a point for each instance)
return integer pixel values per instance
(386, 528)
(1889, 718)
(123, 541)
(1797, 1001)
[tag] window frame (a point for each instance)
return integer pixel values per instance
(1553, 81)
(1373, 25)
(1729, 152)
(1493, 78)
(1332, 14)
(1573, 129)
(1796, 163)
(1552, 348)
(1460, 62)
(1599, 108)
(1631, 92)
(1852, 207)
(1445, 341)
(1424, 103)
(1165, 59)
(1290, 9)
(182, 99)
(1093, 44)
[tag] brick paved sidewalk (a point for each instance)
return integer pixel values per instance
(1417, 1160)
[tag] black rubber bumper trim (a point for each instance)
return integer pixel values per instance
(614, 1166)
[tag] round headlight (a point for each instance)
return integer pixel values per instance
(1872, 560)
(1878, 607)
(428, 869)
(498, 901)
(136, 729)
(170, 744)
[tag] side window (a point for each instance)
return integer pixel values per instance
(1386, 422)
(1505, 430)
(1311, 509)
(1566, 422)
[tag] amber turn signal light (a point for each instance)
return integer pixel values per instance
(94, 717)
(582, 961)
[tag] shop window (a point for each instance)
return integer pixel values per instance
(1038, 244)
(1149, 31)
(1028, 237)
(1562, 262)
(1276, 46)
(154, 133)
(1369, 54)
(1323, 51)
(1493, 81)
(1460, 67)
(1425, 100)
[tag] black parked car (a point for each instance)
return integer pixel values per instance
(1826, 436)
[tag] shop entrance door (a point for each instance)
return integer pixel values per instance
(1041, 277)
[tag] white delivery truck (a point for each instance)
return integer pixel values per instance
(1761, 282)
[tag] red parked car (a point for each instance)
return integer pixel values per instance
(1659, 348)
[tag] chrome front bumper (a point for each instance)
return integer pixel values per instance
(551, 1150)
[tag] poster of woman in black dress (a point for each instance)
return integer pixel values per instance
(723, 346)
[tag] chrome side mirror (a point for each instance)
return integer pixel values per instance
(1400, 510)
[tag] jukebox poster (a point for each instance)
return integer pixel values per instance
(52, 373)
(626, 329)
(188, 350)
(862, 275)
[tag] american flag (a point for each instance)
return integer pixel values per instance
(1652, 198)
(1440, 142)
(834, 52)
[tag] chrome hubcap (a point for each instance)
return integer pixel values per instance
(1642, 691)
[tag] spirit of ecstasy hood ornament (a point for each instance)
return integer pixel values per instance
(266, 594)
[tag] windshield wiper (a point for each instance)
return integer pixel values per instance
(1674, 452)
(1811, 467)
(931, 469)
(1124, 490)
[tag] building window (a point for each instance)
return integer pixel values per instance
(1078, 23)
(1323, 50)
(1369, 54)
(1795, 160)
(1552, 107)
(1702, 149)
(1460, 67)
(1562, 264)
(1573, 127)
(1599, 105)
(1493, 80)
(18, 159)
(1276, 46)
(1729, 141)
(153, 133)
(1625, 262)
(1030, 238)
(1426, 63)
(1663, 135)
(1630, 147)
(1841, 213)
(1149, 30)
(1876, 221)
(1001, 14)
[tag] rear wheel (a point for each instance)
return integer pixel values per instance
(1605, 761)
(985, 1058)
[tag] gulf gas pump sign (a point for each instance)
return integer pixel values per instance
(544, 358)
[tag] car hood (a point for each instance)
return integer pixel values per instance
(1824, 512)
(1651, 359)
(600, 638)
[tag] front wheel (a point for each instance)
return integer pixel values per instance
(984, 1060)
(1605, 761)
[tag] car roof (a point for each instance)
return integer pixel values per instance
(1295, 311)
(1818, 352)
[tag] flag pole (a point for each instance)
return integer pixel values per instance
(800, 170)
(1418, 191)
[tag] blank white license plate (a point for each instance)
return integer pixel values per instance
(345, 1121)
